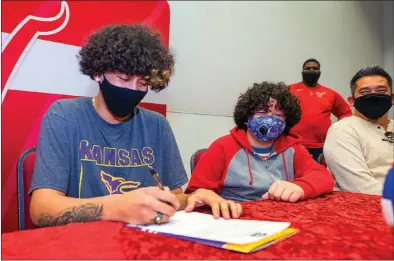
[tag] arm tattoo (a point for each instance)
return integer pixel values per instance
(83, 213)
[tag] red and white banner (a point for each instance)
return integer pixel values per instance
(40, 41)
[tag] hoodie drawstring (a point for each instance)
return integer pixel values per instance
(250, 170)
(284, 164)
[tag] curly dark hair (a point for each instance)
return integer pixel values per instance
(128, 49)
(257, 98)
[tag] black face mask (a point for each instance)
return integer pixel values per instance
(120, 101)
(310, 78)
(373, 106)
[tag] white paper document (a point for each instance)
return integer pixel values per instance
(205, 226)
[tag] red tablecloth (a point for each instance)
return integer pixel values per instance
(337, 226)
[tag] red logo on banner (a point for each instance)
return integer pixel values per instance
(28, 28)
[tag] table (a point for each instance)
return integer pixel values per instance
(336, 226)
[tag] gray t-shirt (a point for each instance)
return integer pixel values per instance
(82, 155)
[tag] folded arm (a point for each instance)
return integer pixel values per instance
(341, 108)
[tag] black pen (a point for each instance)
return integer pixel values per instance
(157, 180)
(156, 177)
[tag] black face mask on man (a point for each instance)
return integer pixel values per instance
(373, 106)
(310, 77)
(120, 101)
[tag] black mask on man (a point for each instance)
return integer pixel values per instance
(120, 101)
(310, 78)
(373, 106)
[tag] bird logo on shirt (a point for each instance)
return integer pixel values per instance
(320, 94)
(117, 185)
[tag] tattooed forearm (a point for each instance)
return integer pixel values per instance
(84, 213)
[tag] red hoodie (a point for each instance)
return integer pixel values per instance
(317, 104)
(232, 169)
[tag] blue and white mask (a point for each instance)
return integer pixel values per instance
(267, 127)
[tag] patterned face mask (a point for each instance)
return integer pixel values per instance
(266, 128)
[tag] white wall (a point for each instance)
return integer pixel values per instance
(388, 39)
(194, 131)
(223, 47)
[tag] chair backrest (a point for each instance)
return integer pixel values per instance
(322, 160)
(24, 175)
(195, 158)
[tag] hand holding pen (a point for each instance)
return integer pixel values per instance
(203, 197)
(159, 216)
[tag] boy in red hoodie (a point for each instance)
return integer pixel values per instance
(261, 158)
